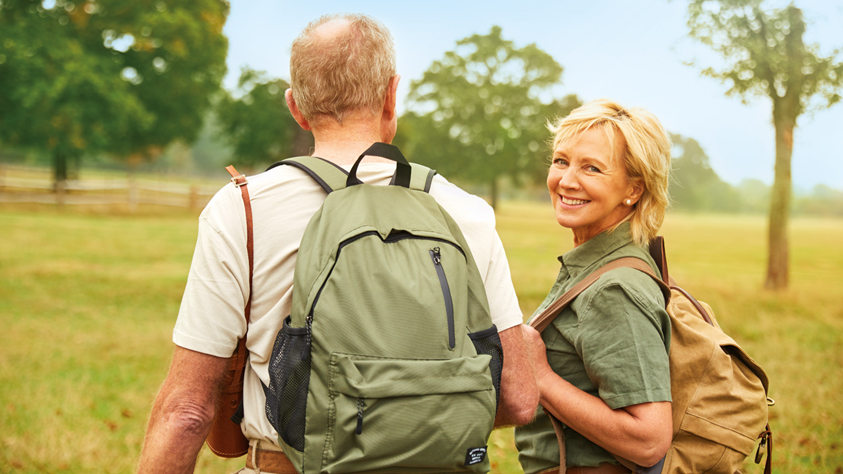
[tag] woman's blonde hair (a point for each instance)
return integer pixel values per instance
(332, 75)
(646, 156)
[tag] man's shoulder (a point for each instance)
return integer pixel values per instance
(460, 204)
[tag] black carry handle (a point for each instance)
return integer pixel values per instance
(390, 152)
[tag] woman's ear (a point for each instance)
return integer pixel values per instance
(636, 189)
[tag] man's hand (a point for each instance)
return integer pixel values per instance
(519, 392)
(182, 413)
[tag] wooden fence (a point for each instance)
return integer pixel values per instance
(19, 184)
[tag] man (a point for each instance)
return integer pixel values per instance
(343, 88)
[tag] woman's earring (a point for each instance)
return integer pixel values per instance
(628, 202)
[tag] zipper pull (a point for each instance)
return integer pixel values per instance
(360, 405)
(305, 353)
(437, 257)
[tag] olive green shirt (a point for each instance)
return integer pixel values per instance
(611, 342)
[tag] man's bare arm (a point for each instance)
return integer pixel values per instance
(519, 391)
(182, 413)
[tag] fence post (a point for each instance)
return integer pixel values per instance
(193, 202)
(133, 192)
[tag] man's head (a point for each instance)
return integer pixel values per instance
(341, 64)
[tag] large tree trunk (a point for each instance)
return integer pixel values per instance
(59, 175)
(777, 257)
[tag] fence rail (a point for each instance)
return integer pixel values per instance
(23, 185)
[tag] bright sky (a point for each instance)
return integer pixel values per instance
(629, 51)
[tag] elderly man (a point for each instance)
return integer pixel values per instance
(343, 89)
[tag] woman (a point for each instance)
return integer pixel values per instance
(602, 365)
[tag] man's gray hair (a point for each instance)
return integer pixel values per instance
(346, 70)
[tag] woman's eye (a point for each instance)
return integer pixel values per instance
(560, 161)
(593, 169)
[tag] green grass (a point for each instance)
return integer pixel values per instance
(88, 301)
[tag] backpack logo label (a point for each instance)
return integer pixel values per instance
(475, 455)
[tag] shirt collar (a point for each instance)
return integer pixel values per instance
(597, 247)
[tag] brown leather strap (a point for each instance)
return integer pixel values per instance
(767, 436)
(605, 468)
(269, 462)
(241, 353)
(560, 438)
(544, 319)
(660, 256)
(541, 321)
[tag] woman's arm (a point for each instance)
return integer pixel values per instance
(641, 433)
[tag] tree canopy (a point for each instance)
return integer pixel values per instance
(694, 184)
(258, 124)
(115, 76)
(765, 55)
(479, 113)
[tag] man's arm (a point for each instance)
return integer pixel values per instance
(182, 413)
(519, 391)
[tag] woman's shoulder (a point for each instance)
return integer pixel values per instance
(624, 288)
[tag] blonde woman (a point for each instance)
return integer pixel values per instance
(602, 365)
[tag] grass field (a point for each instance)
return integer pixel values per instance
(88, 301)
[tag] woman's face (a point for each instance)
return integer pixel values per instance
(588, 184)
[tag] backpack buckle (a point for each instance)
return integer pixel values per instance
(239, 180)
(765, 437)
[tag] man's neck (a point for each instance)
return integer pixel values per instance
(343, 144)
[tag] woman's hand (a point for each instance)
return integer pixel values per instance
(640, 433)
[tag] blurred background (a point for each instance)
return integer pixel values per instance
(117, 118)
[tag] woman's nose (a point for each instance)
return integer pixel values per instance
(568, 179)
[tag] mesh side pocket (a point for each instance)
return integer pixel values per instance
(488, 342)
(289, 376)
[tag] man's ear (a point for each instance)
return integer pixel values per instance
(294, 109)
(391, 101)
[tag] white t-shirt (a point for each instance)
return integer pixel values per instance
(283, 200)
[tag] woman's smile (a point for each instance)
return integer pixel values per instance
(589, 185)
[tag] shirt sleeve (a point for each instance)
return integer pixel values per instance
(623, 341)
(211, 317)
(503, 302)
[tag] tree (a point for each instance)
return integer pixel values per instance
(258, 124)
(479, 113)
(766, 56)
(124, 77)
(695, 185)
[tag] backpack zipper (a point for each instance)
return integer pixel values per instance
(360, 405)
(436, 256)
(395, 237)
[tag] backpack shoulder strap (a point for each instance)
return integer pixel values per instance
(332, 177)
(421, 177)
(328, 175)
(544, 319)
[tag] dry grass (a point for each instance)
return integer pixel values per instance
(89, 301)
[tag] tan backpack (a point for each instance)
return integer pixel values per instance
(719, 392)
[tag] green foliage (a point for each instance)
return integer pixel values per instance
(823, 201)
(765, 53)
(117, 76)
(258, 124)
(479, 113)
(755, 196)
(694, 185)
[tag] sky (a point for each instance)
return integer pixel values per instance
(632, 51)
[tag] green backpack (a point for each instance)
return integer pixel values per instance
(389, 361)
